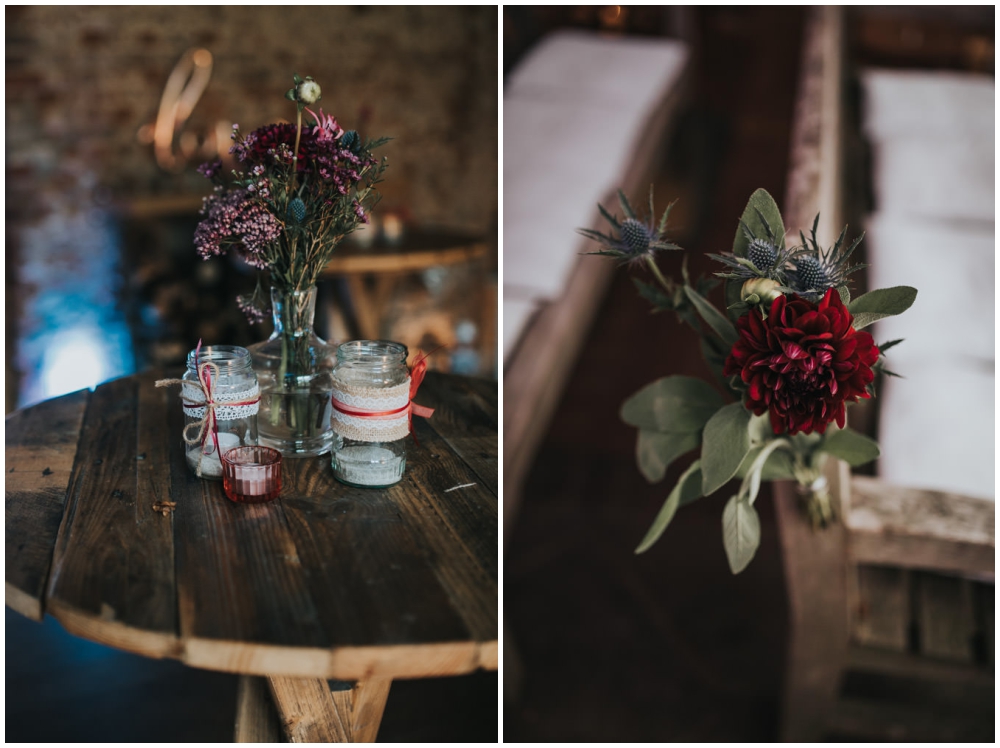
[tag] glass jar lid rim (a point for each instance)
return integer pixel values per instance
(372, 349)
(220, 354)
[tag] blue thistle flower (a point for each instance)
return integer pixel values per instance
(350, 140)
(297, 209)
(632, 239)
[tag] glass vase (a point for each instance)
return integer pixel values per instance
(294, 368)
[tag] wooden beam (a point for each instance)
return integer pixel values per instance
(308, 711)
(919, 529)
(257, 720)
(368, 699)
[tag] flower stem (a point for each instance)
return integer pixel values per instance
(295, 153)
(659, 276)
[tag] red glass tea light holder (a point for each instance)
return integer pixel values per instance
(251, 475)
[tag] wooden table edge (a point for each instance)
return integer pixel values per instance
(348, 663)
(377, 262)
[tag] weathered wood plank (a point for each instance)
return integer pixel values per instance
(240, 582)
(368, 699)
(945, 617)
(257, 719)
(108, 578)
(372, 582)
(882, 616)
(458, 526)
(915, 667)
(466, 417)
(41, 443)
(308, 711)
(814, 573)
(905, 722)
(986, 596)
(918, 529)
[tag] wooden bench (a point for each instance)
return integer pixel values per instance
(583, 115)
(899, 591)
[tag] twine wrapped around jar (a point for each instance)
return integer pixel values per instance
(201, 401)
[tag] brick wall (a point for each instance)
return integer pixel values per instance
(81, 81)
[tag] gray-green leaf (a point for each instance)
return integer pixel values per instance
(688, 489)
(881, 303)
(850, 446)
(740, 533)
(779, 466)
(655, 451)
(672, 405)
(725, 442)
(763, 202)
(715, 319)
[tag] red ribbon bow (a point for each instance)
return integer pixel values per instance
(417, 372)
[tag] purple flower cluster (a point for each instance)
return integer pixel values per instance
(234, 218)
(320, 152)
(248, 306)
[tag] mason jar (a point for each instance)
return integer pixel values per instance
(371, 413)
(220, 375)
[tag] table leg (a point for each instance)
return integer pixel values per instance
(309, 712)
(257, 720)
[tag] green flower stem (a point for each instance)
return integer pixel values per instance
(295, 153)
(659, 276)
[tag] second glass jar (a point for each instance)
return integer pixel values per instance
(371, 402)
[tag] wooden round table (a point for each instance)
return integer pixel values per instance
(373, 272)
(327, 582)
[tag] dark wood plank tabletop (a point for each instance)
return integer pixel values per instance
(327, 581)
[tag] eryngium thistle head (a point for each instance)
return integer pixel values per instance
(809, 275)
(631, 239)
(762, 254)
(636, 236)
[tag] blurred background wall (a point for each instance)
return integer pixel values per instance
(101, 272)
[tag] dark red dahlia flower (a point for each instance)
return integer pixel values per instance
(802, 363)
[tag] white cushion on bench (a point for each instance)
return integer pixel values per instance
(936, 429)
(944, 104)
(952, 266)
(574, 113)
(632, 74)
(929, 177)
(933, 142)
(516, 315)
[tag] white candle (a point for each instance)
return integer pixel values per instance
(211, 464)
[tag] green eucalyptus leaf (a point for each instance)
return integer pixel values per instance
(653, 294)
(688, 489)
(779, 465)
(672, 405)
(761, 204)
(881, 303)
(850, 446)
(715, 319)
(725, 442)
(654, 451)
(740, 533)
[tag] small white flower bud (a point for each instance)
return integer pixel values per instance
(760, 291)
(307, 92)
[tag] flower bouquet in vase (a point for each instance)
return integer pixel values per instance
(788, 353)
(299, 189)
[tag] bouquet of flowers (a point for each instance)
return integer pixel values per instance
(788, 353)
(298, 191)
